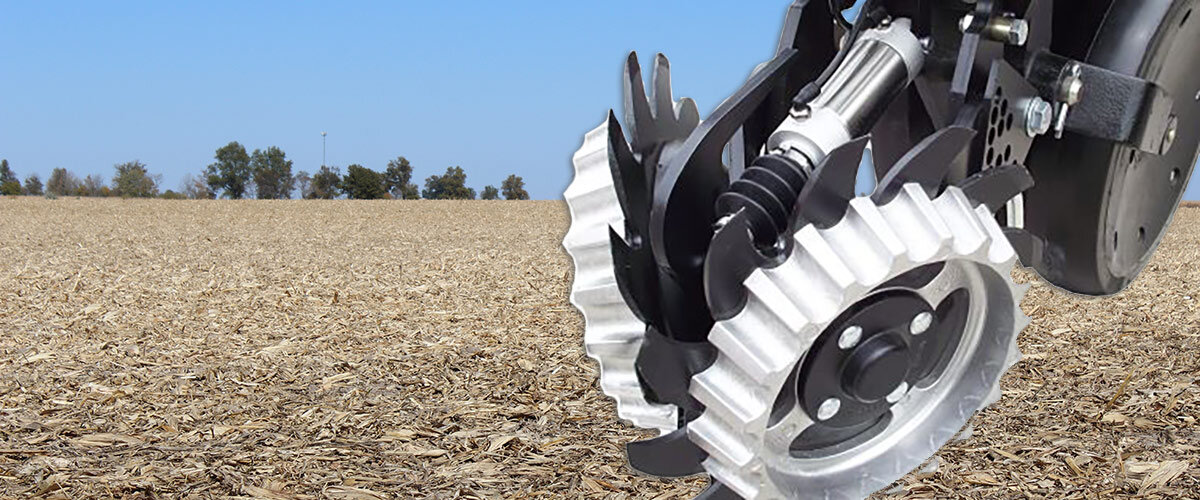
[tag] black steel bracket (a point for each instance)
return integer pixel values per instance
(1113, 106)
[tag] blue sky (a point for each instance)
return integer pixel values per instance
(495, 87)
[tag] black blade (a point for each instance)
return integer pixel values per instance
(637, 106)
(670, 455)
(995, 186)
(664, 102)
(732, 257)
(926, 164)
(629, 179)
(827, 195)
(1031, 249)
(635, 273)
(718, 491)
(689, 116)
(687, 187)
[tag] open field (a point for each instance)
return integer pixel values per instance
(367, 350)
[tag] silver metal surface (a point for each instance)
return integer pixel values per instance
(898, 394)
(746, 430)
(1007, 29)
(879, 66)
(965, 23)
(1014, 212)
(612, 334)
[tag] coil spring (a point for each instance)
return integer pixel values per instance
(767, 191)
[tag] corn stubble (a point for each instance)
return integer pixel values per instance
(364, 350)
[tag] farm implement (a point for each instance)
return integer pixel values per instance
(794, 340)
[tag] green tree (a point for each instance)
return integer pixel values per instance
(231, 173)
(398, 178)
(93, 185)
(272, 174)
(514, 188)
(449, 186)
(6, 174)
(172, 195)
(9, 185)
(490, 193)
(134, 181)
(362, 183)
(33, 186)
(62, 183)
(326, 183)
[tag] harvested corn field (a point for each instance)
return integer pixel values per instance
(427, 350)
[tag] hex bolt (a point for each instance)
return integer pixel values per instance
(850, 337)
(921, 323)
(898, 394)
(965, 23)
(1015, 31)
(829, 409)
(1169, 135)
(1039, 117)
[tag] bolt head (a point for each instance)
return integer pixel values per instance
(829, 409)
(1039, 117)
(850, 337)
(1169, 135)
(1072, 90)
(965, 23)
(1018, 32)
(921, 323)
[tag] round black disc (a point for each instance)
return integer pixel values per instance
(1103, 207)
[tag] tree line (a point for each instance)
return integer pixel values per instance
(265, 174)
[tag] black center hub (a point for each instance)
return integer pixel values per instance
(868, 358)
(876, 367)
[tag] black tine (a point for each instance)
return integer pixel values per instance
(637, 106)
(995, 186)
(689, 116)
(731, 258)
(718, 491)
(629, 178)
(631, 278)
(827, 195)
(664, 101)
(669, 455)
(926, 163)
(1031, 249)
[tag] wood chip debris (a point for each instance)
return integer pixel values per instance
(388, 350)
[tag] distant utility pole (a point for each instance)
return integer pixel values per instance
(322, 149)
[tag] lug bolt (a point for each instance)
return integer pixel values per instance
(965, 23)
(1169, 136)
(1011, 31)
(921, 323)
(850, 337)
(898, 394)
(829, 409)
(1039, 117)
